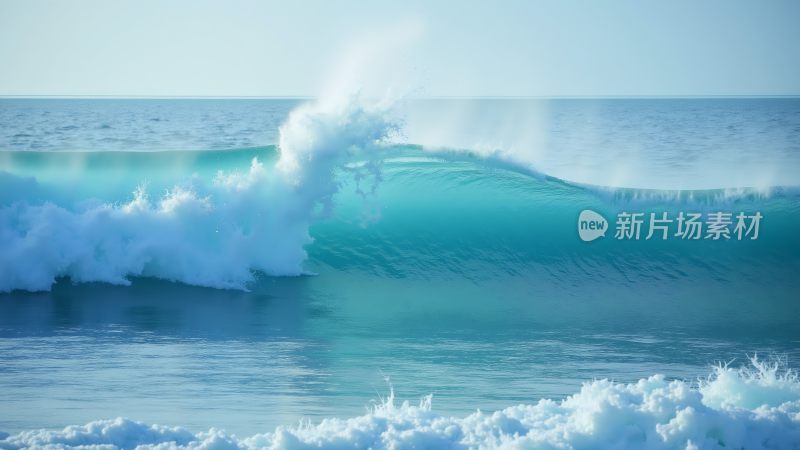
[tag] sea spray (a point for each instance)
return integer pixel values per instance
(214, 233)
(322, 137)
(652, 413)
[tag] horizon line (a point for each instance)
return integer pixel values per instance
(433, 97)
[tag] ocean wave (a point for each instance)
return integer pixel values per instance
(220, 224)
(752, 407)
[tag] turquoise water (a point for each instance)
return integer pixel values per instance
(452, 273)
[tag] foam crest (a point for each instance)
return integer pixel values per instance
(733, 408)
(216, 233)
(321, 137)
(762, 382)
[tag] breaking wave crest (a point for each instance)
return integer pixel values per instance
(209, 233)
(752, 407)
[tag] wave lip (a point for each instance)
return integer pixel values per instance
(755, 407)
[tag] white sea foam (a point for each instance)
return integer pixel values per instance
(757, 407)
(212, 233)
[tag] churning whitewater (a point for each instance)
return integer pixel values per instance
(753, 407)
(212, 233)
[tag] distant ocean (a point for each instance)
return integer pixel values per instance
(211, 272)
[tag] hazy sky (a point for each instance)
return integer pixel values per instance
(461, 48)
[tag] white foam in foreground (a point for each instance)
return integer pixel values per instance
(750, 408)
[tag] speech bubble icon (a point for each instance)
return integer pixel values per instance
(591, 225)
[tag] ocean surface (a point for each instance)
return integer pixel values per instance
(242, 265)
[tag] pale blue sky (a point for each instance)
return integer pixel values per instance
(464, 48)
